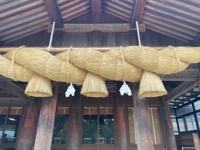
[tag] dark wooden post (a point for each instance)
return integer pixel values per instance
(121, 125)
(28, 127)
(168, 126)
(74, 121)
(46, 122)
(143, 129)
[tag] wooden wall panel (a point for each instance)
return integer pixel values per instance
(61, 39)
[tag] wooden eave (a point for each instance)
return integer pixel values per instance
(178, 19)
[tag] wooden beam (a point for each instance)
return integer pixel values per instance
(186, 75)
(96, 6)
(121, 125)
(198, 83)
(12, 88)
(96, 10)
(74, 121)
(28, 126)
(54, 12)
(137, 12)
(62, 49)
(196, 41)
(46, 122)
(143, 128)
(180, 90)
(115, 27)
(167, 126)
(9, 101)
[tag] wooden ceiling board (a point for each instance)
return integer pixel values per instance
(115, 11)
(8, 4)
(22, 15)
(159, 8)
(168, 30)
(83, 6)
(117, 7)
(77, 6)
(194, 9)
(25, 35)
(3, 2)
(66, 4)
(22, 8)
(195, 3)
(161, 31)
(172, 8)
(169, 20)
(179, 18)
(70, 17)
(25, 30)
(116, 15)
(27, 25)
(169, 25)
(23, 20)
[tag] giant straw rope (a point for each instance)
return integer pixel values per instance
(41, 67)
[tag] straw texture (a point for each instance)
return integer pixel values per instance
(151, 85)
(39, 86)
(47, 65)
(94, 86)
(104, 65)
(186, 54)
(14, 71)
(38, 67)
(150, 59)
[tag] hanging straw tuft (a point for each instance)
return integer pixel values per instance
(94, 86)
(39, 86)
(151, 85)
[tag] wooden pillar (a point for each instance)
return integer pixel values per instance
(28, 126)
(74, 121)
(196, 140)
(46, 122)
(143, 129)
(121, 125)
(168, 126)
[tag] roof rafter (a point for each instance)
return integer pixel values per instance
(137, 12)
(96, 10)
(180, 90)
(54, 12)
(12, 88)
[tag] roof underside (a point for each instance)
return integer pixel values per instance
(176, 18)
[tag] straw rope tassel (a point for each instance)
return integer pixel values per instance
(151, 84)
(94, 86)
